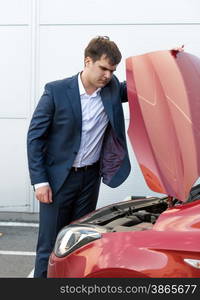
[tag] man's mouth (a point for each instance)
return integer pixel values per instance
(104, 81)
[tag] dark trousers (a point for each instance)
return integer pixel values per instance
(77, 197)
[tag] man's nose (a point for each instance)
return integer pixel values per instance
(108, 74)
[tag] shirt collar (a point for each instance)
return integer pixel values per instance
(82, 89)
(80, 85)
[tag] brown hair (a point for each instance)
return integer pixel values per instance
(102, 45)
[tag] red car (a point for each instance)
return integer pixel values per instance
(148, 237)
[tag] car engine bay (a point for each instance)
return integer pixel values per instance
(133, 215)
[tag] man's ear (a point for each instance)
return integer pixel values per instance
(87, 61)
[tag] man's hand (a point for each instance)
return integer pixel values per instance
(179, 49)
(44, 194)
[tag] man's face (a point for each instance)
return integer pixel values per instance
(100, 72)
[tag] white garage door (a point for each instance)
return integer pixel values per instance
(44, 40)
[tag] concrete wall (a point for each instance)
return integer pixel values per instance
(43, 40)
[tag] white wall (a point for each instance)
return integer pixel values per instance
(15, 78)
(43, 40)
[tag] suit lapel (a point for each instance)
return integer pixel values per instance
(73, 96)
(107, 102)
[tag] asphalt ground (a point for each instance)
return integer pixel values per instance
(17, 247)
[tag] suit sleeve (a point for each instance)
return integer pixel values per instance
(37, 137)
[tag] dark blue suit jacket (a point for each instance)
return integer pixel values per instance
(54, 134)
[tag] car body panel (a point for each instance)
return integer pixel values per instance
(182, 218)
(163, 92)
(150, 253)
(98, 260)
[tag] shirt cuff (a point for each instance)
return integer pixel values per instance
(38, 185)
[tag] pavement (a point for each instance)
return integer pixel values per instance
(18, 238)
(19, 217)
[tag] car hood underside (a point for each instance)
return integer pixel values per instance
(163, 92)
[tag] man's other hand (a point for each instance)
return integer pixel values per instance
(179, 49)
(44, 194)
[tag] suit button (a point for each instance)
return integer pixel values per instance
(75, 152)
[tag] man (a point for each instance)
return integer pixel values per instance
(76, 136)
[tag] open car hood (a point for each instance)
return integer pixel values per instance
(164, 130)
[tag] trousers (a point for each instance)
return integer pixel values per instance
(77, 197)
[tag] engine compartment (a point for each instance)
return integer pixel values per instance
(141, 220)
(133, 215)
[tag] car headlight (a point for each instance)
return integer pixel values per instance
(74, 236)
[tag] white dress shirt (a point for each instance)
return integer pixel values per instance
(94, 123)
